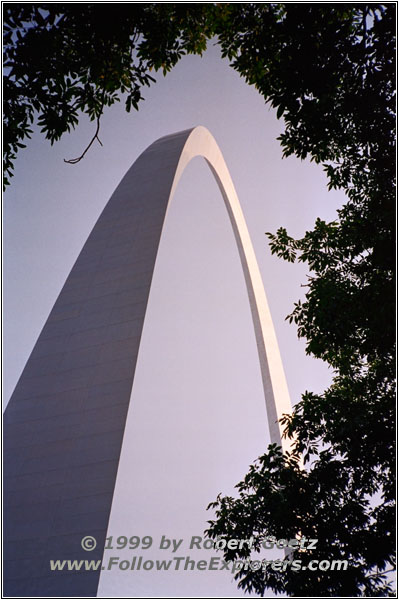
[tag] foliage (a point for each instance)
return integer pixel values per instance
(62, 60)
(328, 70)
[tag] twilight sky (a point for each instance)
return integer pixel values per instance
(197, 417)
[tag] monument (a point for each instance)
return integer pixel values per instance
(64, 425)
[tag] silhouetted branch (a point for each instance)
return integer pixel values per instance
(73, 161)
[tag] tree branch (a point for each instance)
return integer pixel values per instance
(74, 161)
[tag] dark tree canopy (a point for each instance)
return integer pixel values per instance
(62, 60)
(329, 70)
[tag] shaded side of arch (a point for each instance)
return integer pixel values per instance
(64, 425)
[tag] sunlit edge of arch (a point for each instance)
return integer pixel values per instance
(200, 142)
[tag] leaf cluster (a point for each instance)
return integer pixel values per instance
(62, 60)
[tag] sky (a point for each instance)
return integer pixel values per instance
(197, 416)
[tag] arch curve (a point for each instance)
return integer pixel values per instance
(64, 425)
(199, 142)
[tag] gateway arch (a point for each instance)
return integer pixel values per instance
(64, 425)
